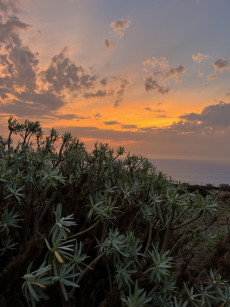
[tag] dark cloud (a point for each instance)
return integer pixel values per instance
(99, 93)
(63, 74)
(228, 94)
(32, 104)
(186, 127)
(153, 85)
(120, 93)
(70, 116)
(174, 72)
(104, 81)
(148, 109)
(217, 115)
(159, 111)
(10, 28)
(120, 26)
(97, 115)
(18, 69)
(221, 64)
(129, 126)
(111, 123)
(109, 45)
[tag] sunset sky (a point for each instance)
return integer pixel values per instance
(151, 75)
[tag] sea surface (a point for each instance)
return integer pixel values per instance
(195, 171)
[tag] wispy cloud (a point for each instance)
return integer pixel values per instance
(69, 117)
(10, 6)
(109, 45)
(154, 62)
(99, 93)
(120, 92)
(129, 126)
(120, 26)
(199, 57)
(148, 109)
(111, 123)
(174, 72)
(212, 76)
(160, 72)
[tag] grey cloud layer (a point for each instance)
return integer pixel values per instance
(213, 116)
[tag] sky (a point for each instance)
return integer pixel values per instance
(150, 75)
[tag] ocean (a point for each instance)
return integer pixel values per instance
(195, 171)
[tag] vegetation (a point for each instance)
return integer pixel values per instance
(101, 230)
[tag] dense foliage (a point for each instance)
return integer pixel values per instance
(100, 230)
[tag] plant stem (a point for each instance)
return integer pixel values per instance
(84, 231)
(188, 222)
(149, 237)
(89, 267)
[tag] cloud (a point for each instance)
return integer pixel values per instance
(199, 57)
(174, 72)
(120, 26)
(70, 116)
(159, 111)
(111, 123)
(32, 104)
(99, 93)
(10, 28)
(160, 73)
(109, 45)
(18, 70)
(200, 73)
(120, 93)
(10, 6)
(228, 94)
(129, 126)
(148, 109)
(104, 81)
(221, 64)
(63, 74)
(154, 62)
(217, 115)
(153, 85)
(97, 115)
(212, 76)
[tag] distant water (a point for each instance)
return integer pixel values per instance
(194, 171)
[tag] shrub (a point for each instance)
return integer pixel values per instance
(100, 229)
